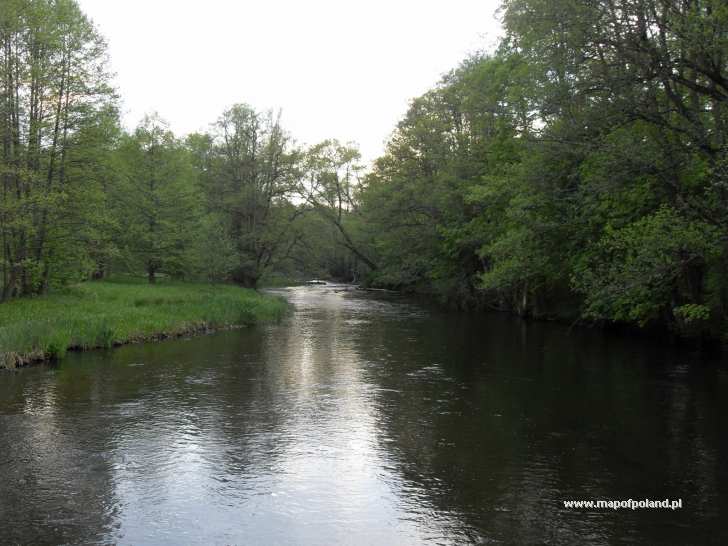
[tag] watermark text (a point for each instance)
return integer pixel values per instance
(633, 504)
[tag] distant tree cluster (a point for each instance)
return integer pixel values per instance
(81, 198)
(578, 171)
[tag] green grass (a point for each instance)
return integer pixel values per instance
(104, 314)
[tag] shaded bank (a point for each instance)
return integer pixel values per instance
(104, 314)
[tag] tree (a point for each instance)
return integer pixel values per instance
(54, 90)
(249, 176)
(329, 185)
(157, 202)
(579, 171)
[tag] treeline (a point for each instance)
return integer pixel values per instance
(81, 198)
(579, 171)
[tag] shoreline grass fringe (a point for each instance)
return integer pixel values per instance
(105, 314)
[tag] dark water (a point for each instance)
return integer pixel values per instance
(363, 419)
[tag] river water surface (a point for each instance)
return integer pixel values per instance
(366, 419)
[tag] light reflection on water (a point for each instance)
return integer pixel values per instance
(363, 420)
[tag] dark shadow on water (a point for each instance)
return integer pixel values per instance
(367, 418)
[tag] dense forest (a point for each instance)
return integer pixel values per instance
(578, 171)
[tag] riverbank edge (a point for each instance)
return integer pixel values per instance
(694, 339)
(274, 309)
(12, 360)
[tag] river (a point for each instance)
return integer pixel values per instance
(366, 418)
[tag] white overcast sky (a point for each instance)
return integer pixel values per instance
(338, 69)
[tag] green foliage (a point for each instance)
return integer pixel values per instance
(57, 116)
(330, 184)
(434, 201)
(579, 170)
(692, 312)
(156, 202)
(638, 272)
(248, 174)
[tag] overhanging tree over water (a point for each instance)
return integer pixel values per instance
(577, 171)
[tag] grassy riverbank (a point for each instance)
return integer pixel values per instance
(104, 314)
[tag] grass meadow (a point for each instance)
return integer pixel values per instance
(103, 314)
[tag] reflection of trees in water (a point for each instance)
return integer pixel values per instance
(499, 421)
(479, 426)
(317, 358)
